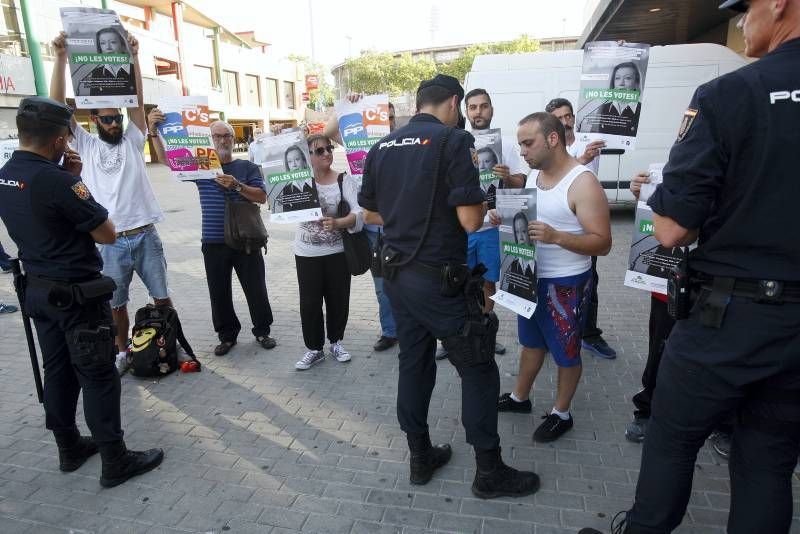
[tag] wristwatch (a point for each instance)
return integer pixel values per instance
(237, 187)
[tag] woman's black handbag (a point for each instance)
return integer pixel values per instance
(357, 249)
(244, 228)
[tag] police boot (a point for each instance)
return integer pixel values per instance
(426, 458)
(73, 449)
(120, 464)
(494, 479)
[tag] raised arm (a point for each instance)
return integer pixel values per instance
(58, 83)
(155, 118)
(136, 114)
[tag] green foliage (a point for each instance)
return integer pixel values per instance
(381, 72)
(325, 94)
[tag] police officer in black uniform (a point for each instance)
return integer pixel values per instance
(55, 222)
(732, 179)
(421, 183)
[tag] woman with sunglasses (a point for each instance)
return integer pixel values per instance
(322, 273)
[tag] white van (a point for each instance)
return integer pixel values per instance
(520, 84)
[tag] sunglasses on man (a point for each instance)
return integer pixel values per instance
(321, 150)
(108, 120)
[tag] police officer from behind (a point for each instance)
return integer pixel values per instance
(421, 183)
(732, 180)
(55, 222)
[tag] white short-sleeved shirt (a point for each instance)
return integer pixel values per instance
(511, 157)
(311, 239)
(117, 177)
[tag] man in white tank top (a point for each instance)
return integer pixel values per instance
(572, 226)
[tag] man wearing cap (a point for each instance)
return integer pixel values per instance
(731, 182)
(425, 252)
(55, 222)
(116, 175)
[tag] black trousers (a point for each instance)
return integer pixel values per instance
(323, 278)
(751, 366)
(423, 315)
(591, 330)
(660, 326)
(220, 261)
(64, 378)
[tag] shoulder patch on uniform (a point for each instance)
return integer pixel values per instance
(80, 189)
(474, 154)
(686, 123)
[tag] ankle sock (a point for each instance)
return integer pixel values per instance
(515, 398)
(563, 415)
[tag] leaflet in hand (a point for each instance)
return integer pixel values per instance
(610, 99)
(361, 125)
(100, 62)
(488, 152)
(517, 289)
(285, 163)
(186, 133)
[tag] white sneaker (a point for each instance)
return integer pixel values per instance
(310, 359)
(122, 363)
(338, 352)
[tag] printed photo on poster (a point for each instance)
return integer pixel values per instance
(517, 288)
(649, 262)
(100, 63)
(7, 148)
(610, 99)
(489, 152)
(361, 125)
(286, 165)
(186, 133)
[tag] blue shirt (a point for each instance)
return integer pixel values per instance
(212, 197)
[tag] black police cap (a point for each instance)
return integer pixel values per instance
(443, 80)
(45, 110)
(736, 5)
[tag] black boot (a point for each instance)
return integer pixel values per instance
(73, 449)
(120, 464)
(494, 479)
(426, 458)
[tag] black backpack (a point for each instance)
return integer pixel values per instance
(154, 342)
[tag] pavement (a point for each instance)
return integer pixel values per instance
(254, 446)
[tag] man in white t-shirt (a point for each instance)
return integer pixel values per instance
(588, 155)
(483, 246)
(114, 171)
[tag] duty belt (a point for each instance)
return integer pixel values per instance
(423, 269)
(762, 291)
(134, 231)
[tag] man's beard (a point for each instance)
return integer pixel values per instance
(111, 139)
(224, 154)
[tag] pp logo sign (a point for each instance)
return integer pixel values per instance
(351, 126)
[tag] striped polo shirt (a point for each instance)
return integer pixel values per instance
(212, 197)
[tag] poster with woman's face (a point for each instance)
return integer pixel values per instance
(100, 62)
(286, 166)
(610, 100)
(489, 152)
(517, 289)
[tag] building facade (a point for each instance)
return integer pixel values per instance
(181, 51)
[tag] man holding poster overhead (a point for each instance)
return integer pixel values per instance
(115, 173)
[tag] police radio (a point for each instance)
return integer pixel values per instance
(679, 289)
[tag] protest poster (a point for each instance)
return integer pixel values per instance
(517, 289)
(489, 152)
(650, 263)
(100, 62)
(361, 125)
(610, 99)
(7, 148)
(186, 133)
(286, 166)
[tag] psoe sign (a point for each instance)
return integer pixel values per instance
(16, 75)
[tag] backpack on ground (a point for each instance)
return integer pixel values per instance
(154, 342)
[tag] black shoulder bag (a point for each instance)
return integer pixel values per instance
(357, 250)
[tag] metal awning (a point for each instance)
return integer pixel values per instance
(657, 22)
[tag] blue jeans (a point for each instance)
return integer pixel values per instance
(5, 259)
(388, 327)
(141, 253)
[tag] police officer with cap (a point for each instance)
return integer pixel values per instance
(732, 182)
(421, 183)
(55, 222)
